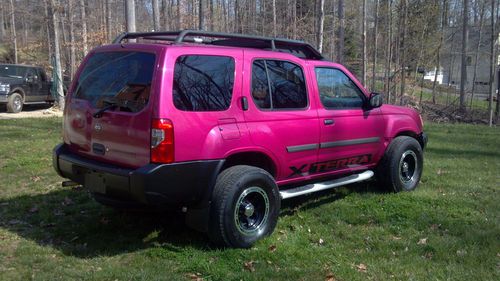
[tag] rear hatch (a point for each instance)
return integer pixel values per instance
(108, 115)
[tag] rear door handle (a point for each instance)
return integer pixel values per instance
(328, 121)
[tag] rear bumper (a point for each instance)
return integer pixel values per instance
(169, 185)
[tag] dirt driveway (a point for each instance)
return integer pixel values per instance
(31, 111)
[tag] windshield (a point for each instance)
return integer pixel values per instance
(121, 78)
(13, 71)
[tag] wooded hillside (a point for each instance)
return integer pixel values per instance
(379, 40)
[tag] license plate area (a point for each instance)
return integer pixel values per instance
(95, 182)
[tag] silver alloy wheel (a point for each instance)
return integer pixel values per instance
(18, 103)
(408, 167)
(252, 210)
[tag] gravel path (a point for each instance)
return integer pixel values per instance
(31, 111)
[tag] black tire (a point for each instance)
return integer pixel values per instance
(15, 103)
(245, 207)
(402, 164)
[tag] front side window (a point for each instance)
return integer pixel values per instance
(278, 85)
(336, 90)
(203, 83)
(122, 78)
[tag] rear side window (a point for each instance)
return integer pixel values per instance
(278, 85)
(203, 83)
(122, 78)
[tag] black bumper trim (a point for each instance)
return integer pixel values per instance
(177, 184)
(423, 139)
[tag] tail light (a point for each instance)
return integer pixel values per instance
(162, 141)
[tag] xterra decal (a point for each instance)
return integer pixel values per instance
(337, 164)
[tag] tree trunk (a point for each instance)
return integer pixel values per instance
(463, 69)
(321, 24)
(375, 47)
(84, 26)
(109, 24)
(156, 15)
(403, 51)
(130, 15)
(57, 54)
(48, 20)
(363, 40)
(341, 32)
(72, 55)
(274, 19)
(444, 22)
(492, 64)
(179, 15)
(13, 29)
(212, 18)
(201, 17)
(474, 76)
(294, 20)
(2, 25)
(388, 60)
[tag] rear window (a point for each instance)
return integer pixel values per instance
(121, 78)
(203, 83)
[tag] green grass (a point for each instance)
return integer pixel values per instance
(48, 232)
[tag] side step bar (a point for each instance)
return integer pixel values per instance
(311, 188)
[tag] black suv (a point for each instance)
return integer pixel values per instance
(23, 84)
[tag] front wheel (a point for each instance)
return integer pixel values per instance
(245, 207)
(15, 103)
(401, 167)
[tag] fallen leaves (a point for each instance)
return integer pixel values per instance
(361, 267)
(249, 265)
(422, 241)
(272, 248)
(67, 201)
(195, 276)
(330, 277)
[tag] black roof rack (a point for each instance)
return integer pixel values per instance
(298, 48)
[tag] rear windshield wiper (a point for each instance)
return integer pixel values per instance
(109, 105)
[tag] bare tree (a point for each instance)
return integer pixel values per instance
(463, 69)
(388, 59)
(274, 19)
(2, 24)
(363, 40)
(13, 29)
(476, 59)
(341, 32)
(321, 24)
(492, 64)
(57, 53)
(156, 15)
(201, 17)
(444, 20)
(130, 15)
(375, 46)
(403, 50)
(71, 7)
(84, 26)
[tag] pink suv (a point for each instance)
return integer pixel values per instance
(225, 126)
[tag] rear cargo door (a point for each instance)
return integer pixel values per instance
(108, 117)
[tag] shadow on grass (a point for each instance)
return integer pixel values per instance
(71, 221)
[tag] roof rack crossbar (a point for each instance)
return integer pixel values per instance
(180, 36)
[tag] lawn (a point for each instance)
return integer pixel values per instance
(448, 229)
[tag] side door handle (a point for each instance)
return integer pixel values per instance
(328, 122)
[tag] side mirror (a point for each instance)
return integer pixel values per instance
(30, 79)
(375, 100)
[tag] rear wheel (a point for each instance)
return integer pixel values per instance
(401, 167)
(245, 207)
(15, 103)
